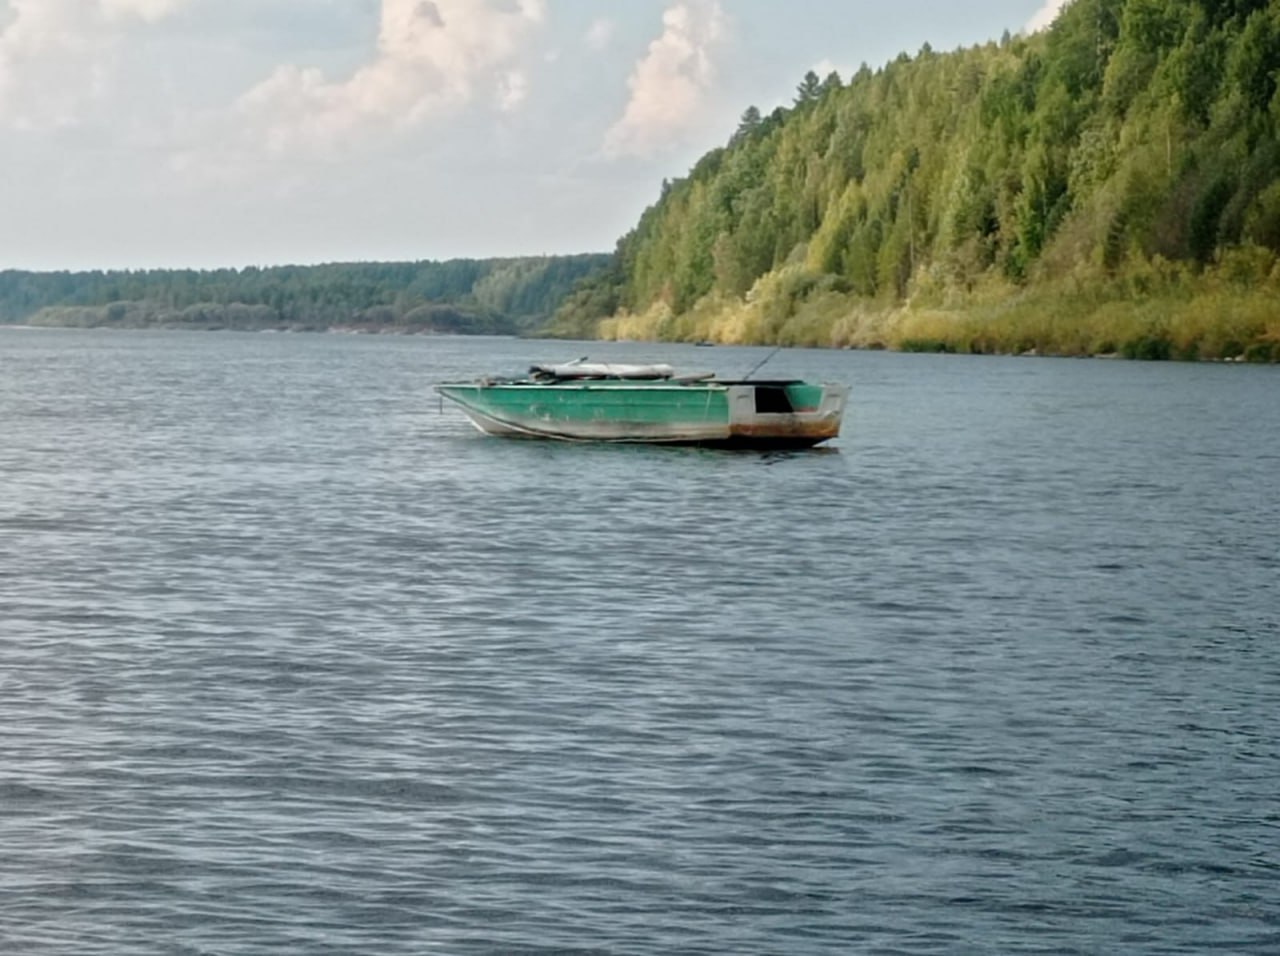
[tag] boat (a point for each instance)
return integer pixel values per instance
(611, 402)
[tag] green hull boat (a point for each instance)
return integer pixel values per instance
(601, 402)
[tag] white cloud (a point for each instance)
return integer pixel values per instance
(825, 67)
(59, 57)
(600, 34)
(149, 10)
(1046, 15)
(512, 90)
(670, 83)
(432, 56)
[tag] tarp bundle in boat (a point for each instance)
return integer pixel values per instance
(570, 370)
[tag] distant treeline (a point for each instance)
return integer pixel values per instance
(1110, 185)
(485, 296)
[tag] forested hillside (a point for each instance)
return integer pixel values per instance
(461, 295)
(1107, 186)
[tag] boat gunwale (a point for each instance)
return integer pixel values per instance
(645, 384)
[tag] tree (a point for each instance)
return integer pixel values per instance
(1129, 129)
(748, 125)
(809, 90)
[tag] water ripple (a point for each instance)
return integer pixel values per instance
(292, 662)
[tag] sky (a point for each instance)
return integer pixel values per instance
(139, 134)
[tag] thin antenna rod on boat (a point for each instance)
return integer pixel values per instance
(761, 363)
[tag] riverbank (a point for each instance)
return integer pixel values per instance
(1160, 311)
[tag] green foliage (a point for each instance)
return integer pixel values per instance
(809, 90)
(461, 295)
(1132, 132)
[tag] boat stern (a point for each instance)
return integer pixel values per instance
(785, 414)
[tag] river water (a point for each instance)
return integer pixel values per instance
(292, 660)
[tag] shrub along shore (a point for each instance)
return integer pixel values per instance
(1155, 310)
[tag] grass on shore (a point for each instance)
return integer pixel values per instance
(1154, 310)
